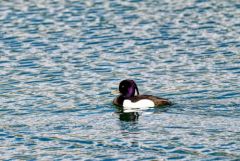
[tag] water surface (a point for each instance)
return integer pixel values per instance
(60, 60)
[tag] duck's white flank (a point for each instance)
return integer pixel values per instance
(144, 103)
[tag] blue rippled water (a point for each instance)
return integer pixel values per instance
(60, 60)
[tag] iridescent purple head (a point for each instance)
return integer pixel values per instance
(127, 88)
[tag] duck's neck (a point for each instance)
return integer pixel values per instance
(121, 98)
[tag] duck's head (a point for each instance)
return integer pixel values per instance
(127, 88)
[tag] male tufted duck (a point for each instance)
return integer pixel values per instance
(128, 99)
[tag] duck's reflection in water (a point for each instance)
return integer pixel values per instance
(125, 115)
(134, 114)
(129, 116)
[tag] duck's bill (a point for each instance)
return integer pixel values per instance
(115, 92)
